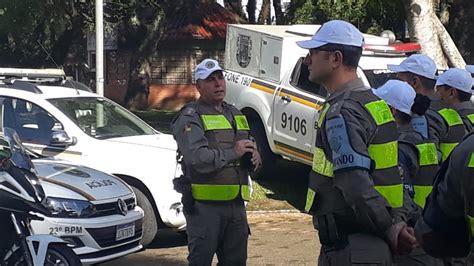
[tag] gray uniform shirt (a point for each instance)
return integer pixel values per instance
(356, 185)
(188, 131)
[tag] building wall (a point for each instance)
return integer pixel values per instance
(171, 76)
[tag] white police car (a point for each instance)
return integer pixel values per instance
(60, 118)
(96, 213)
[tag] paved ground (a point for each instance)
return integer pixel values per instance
(277, 239)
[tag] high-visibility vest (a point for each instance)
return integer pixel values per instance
(467, 115)
(456, 131)
(428, 165)
(382, 149)
(232, 180)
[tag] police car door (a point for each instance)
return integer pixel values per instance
(296, 107)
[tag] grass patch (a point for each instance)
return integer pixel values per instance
(158, 119)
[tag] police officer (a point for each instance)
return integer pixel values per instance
(213, 137)
(420, 72)
(446, 227)
(454, 87)
(355, 190)
(417, 157)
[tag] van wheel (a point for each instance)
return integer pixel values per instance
(269, 159)
(150, 226)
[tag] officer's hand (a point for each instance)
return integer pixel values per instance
(256, 160)
(406, 241)
(243, 146)
(392, 235)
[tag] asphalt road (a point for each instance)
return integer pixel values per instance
(277, 239)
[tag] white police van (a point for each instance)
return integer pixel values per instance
(267, 80)
(60, 118)
(94, 212)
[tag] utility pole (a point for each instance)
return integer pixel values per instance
(99, 47)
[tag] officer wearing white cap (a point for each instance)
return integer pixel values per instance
(213, 138)
(355, 192)
(455, 89)
(417, 158)
(420, 72)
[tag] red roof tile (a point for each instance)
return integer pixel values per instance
(207, 21)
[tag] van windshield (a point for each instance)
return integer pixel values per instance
(101, 118)
(377, 77)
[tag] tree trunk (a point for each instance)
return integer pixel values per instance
(264, 16)
(251, 8)
(279, 18)
(426, 28)
(235, 6)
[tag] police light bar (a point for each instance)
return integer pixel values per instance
(32, 73)
(396, 48)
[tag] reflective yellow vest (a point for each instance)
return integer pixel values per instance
(232, 180)
(383, 150)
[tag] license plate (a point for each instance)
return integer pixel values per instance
(125, 231)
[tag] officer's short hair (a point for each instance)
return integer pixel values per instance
(350, 54)
(464, 96)
(426, 82)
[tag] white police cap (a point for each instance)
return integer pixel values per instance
(456, 78)
(398, 94)
(417, 64)
(470, 68)
(206, 68)
(334, 32)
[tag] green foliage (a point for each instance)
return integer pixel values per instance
(371, 16)
(304, 14)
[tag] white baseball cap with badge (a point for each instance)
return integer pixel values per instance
(456, 78)
(334, 32)
(398, 94)
(417, 64)
(206, 68)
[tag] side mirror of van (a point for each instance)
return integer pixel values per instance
(61, 138)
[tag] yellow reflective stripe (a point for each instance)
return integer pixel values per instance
(428, 154)
(380, 112)
(245, 192)
(321, 165)
(385, 155)
(323, 114)
(446, 149)
(213, 122)
(393, 194)
(215, 192)
(471, 161)
(450, 116)
(309, 199)
(471, 118)
(241, 122)
(471, 225)
(421, 193)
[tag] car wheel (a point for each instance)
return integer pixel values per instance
(269, 159)
(150, 226)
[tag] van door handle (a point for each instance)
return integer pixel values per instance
(286, 98)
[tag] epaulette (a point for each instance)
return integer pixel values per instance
(188, 109)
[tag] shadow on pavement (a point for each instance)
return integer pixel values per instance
(167, 238)
(290, 184)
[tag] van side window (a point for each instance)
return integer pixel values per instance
(299, 79)
(32, 123)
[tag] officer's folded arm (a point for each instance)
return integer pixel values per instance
(193, 144)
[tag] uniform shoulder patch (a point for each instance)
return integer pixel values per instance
(344, 157)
